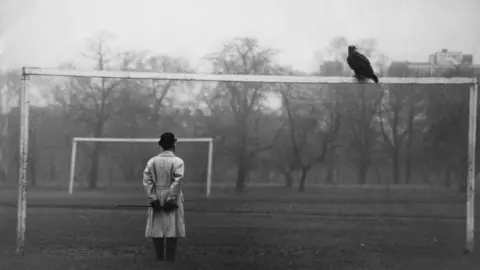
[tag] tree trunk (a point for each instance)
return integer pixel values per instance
(396, 144)
(242, 158)
(93, 175)
(396, 165)
(241, 173)
(303, 178)
(329, 178)
(330, 171)
(408, 169)
(363, 171)
(288, 178)
(364, 153)
(408, 160)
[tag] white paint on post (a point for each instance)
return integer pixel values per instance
(22, 176)
(72, 166)
(472, 140)
(209, 169)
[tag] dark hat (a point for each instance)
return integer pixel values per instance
(167, 139)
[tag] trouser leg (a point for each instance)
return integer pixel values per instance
(158, 244)
(172, 248)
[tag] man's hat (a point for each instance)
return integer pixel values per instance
(167, 138)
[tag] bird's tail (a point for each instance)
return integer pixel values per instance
(375, 78)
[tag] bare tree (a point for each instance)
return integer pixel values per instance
(312, 128)
(90, 100)
(447, 116)
(243, 100)
(398, 119)
(393, 126)
(147, 105)
(361, 108)
(360, 104)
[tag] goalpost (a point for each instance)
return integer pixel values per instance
(76, 140)
(24, 114)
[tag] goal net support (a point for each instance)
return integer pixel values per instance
(24, 114)
(76, 140)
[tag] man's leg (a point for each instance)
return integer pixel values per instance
(158, 244)
(171, 248)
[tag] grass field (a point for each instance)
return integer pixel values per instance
(267, 228)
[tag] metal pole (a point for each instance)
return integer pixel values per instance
(22, 176)
(72, 166)
(204, 77)
(472, 138)
(209, 169)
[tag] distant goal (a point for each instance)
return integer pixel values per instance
(77, 140)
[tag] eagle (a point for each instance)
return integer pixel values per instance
(360, 65)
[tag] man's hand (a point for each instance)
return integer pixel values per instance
(169, 206)
(157, 207)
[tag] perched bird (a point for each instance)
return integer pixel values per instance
(360, 65)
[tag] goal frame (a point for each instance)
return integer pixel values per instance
(76, 140)
(27, 72)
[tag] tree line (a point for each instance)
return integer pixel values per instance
(316, 134)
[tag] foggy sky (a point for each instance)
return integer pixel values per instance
(53, 31)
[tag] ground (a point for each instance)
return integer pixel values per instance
(270, 228)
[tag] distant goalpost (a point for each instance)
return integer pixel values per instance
(76, 140)
(31, 71)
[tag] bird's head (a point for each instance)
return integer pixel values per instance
(351, 49)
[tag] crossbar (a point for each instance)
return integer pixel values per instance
(137, 140)
(206, 77)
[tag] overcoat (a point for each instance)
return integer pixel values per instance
(162, 180)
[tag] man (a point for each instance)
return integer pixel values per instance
(162, 179)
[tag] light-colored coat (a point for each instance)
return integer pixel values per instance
(162, 179)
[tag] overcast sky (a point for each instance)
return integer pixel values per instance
(53, 31)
